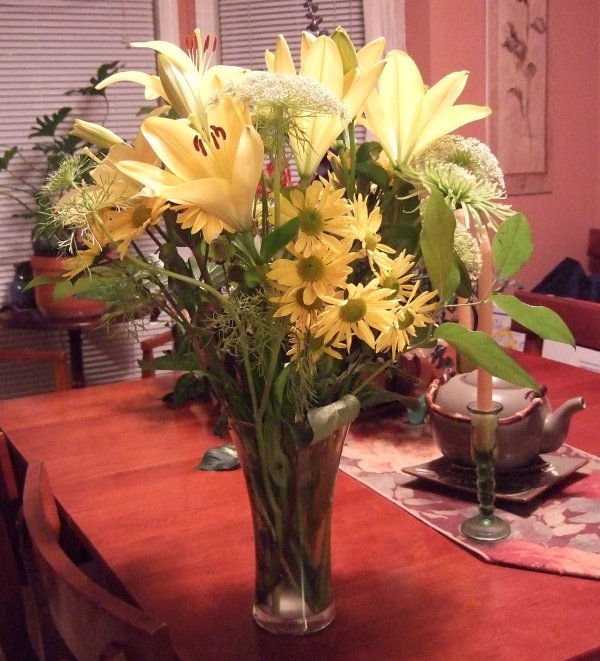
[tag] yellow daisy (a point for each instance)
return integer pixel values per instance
(291, 304)
(412, 314)
(317, 275)
(195, 219)
(419, 307)
(365, 225)
(323, 214)
(123, 226)
(396, 274)
(83, 260)
(306, 341)
(365, 308)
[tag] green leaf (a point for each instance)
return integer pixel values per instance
(437, 244)
(482, 350)
(188, 362)
(324, 420)
(62, 290)
(221, 458)
(400, 237)
(6, 158)
(372, 395)
(188, 387)
(278, 238)
(43, 280)
(46, 125)
(540, 320)
(512, 246)
(281, 382)
(373, 172)
(465, 287)
(368, 151)
(244, 242)
(254, 276)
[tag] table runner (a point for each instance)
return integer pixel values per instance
(558, 532)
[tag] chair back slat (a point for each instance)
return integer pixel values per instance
(58, 358)
(93, 623)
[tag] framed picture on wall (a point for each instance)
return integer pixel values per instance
(517, 61)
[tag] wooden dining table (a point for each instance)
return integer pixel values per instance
(123, 467)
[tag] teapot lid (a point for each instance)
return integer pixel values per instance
(497, 383)
(454, 395)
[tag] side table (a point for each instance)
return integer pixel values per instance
(32, 319)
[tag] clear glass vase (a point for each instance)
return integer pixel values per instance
(291, 496)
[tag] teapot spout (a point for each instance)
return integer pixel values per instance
(556, 425)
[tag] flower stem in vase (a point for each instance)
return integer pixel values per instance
(486, 525)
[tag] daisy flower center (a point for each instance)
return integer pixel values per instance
(389, 282)
(371, 240)
(353, 311)
(311, 221)
(140, 215)
(310, 269)
(405, 319)
(316, 305)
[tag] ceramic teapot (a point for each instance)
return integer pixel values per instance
(526, 428)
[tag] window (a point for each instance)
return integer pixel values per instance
(248, 29)
(46, 48)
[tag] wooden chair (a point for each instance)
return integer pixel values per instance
(582, 318)
(14, 638)
(148, 345)
(62, 373)
(93, 623)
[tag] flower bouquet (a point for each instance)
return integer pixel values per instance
(298, 262)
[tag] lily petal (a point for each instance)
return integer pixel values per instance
(152, 86)
(149, 175)
(406, 116)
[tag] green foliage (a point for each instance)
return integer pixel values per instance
(47, 125)
(437, 244)
(512, 246)
(7, 157)
(104, 71)
(540, 320)
(278, 239)
(485, 352)
(51, 139)
(324, 420)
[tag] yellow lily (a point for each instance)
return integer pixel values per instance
(321, 60)
(211, 177)
(406, 116)
(185, 81)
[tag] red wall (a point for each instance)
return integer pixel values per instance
(449, 35)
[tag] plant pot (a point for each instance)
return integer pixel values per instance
(68, 308)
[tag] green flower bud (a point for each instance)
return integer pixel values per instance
(346, 49)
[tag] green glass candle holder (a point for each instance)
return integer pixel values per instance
(485, 526)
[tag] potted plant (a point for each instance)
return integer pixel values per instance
(51, 144)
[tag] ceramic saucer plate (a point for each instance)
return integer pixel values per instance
(520, 485)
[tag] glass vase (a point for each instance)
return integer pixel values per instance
(290, 489)
(485, 526)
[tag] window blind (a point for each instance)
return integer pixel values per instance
(46, 48)
(248, 29)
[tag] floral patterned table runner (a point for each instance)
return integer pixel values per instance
(558, 531)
